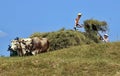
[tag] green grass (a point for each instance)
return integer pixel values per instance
(85, 60)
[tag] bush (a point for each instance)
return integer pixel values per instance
(95, 25)
(63, 38)
(92, 28)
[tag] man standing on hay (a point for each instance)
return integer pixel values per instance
(77, 25)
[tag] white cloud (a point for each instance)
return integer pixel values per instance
(2, 34)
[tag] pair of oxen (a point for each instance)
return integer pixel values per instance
(29, 46)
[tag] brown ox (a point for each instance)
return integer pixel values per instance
(39, 45)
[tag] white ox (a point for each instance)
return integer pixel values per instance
(21, 46)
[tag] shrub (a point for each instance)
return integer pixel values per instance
(63, 38)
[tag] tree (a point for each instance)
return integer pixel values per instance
(95, 25)
(92, 28)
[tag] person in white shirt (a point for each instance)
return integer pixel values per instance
(77, 25)
(105, 38)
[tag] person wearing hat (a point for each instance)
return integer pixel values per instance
(77, 25)
(105, 38)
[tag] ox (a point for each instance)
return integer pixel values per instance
(20, 46)
(39, 45)
(15, 47)
(29, 46)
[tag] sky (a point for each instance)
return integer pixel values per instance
(21, 18)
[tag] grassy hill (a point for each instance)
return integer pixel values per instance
(84, 60)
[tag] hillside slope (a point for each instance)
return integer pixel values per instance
(85, 60)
